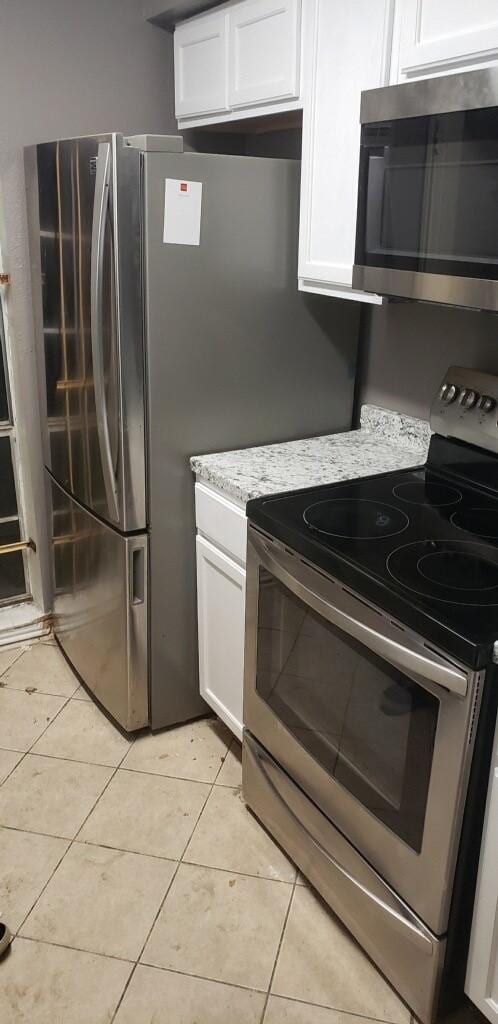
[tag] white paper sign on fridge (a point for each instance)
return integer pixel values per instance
(182, 211)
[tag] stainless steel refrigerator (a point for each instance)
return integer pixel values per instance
(167, 330)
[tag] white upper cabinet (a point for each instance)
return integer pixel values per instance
(444, 36)
(201, 65)
(264, 51)
(239, 60)
(347, 50)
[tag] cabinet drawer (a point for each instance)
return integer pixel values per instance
(222, 522)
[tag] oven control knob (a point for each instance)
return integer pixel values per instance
(448, 393)
(468, 398)
(486, 403)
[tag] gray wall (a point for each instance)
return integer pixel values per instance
(70, 67)
(407, 347)
(67, 67)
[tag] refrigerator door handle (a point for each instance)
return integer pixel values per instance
(100, 210)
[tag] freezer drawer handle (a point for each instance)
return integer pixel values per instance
(137, 576)
(100, 212)
(401, 923)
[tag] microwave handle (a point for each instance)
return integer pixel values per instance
(397, 654)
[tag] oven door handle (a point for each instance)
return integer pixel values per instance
(399, 921)
(400, 656)
(397, 654)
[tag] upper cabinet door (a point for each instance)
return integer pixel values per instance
(264, 45)
(437, 36)
(347, 50)
(201, 65)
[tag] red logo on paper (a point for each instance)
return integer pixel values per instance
(183, 186)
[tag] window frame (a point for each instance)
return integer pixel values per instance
(8, 429)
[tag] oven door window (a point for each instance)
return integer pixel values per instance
(428, 195)
(370, 726)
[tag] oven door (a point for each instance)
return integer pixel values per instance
(427, 199)
(375, 727)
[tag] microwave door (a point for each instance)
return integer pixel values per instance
(427, 203)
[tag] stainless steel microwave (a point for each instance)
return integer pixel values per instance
(427, 223)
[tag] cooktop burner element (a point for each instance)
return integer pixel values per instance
(459, 572)
(355, 518)
(427, 492)
(421, 543)
(483, 522)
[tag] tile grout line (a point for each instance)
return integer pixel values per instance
(14, 662)
(25, 753)
(279, 947)
(217, 981)
(332, 1009)
(95, 764)
(21, 925)
(24, 649)
(154, 967)
(180, 861)
(141, 853)
(77, 949)
(71, 841)
(37, 689)
(100, 764)
(134, 963)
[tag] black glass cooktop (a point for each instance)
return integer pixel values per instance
(422, 546)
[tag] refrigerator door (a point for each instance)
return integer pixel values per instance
(101, 607)
(236, 356)
(90, 231)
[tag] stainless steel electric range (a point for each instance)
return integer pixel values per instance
(371, 690)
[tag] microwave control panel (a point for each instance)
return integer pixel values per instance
(466, 407)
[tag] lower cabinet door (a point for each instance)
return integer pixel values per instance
(221, 618)
(482, 969)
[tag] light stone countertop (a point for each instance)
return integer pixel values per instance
(386, 441)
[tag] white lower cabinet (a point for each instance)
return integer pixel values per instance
(221, 585)
(482, 971)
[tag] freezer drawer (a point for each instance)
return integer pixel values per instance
(100, 607)
(400, 944)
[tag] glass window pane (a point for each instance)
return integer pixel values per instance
(12, 579)
(8, 500)
(367, 724)
(4, 401)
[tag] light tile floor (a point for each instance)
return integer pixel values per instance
(141, 889)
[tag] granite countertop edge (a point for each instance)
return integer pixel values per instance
(386, 440)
